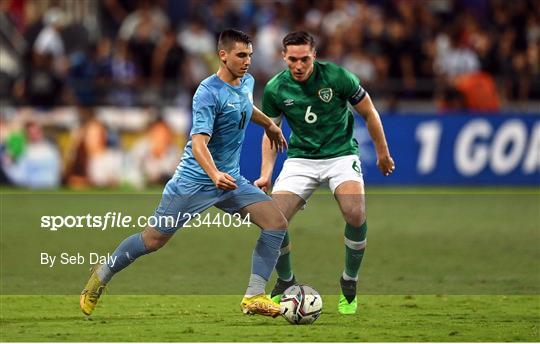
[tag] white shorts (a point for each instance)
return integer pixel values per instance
(303, 176)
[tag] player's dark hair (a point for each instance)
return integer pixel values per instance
(228, 37)
(298, 38)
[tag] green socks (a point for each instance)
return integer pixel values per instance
(355, 244)
(283, 265)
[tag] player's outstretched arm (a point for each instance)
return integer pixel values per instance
(267, 165)
(273, 137)
(273, 132)
(367, 110)
(201, 153)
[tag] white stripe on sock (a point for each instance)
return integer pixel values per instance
(349, 278)
(355, 245)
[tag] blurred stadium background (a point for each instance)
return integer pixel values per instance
(98, 92)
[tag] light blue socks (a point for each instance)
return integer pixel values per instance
(130, 249)
(265, 256)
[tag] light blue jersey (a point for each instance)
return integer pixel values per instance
(222, 111)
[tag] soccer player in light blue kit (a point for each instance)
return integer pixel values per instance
(209, 175)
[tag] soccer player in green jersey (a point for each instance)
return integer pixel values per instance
(313, 96)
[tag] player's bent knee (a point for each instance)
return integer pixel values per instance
(355, 218)
(279, 223)
(153, 245)
(276, 221)
(154, 240)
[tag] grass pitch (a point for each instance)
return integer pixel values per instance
(217, 318)
(441, 265)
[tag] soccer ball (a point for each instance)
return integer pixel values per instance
(301, 305)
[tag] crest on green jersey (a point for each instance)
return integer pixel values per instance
(326, 94)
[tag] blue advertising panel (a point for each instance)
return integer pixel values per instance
(443, 150)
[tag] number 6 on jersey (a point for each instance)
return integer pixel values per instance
(311, 117)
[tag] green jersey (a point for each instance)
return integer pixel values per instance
(321, 122)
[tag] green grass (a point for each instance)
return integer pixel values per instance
(217, 318)
(442, 264)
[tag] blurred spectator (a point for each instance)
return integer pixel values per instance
(124, 76)
(148, 20)
(483, 45)
(91, 161)
(90, 73)
(141, 47)
(41, 86)
(335, 50)
(360, 64)
(224, 15)
(103, 56)
(267, 49)
(39, 163)
(12, 46)
(521, 76)
(478, 91)
(454, 57)
(196, 39)
(77, 38)
(13, 139)
(463, 86)
(49, 40)
(201, 44)
(374, 44)
(170, 65)
(142, 30)
(156, 155)
(400, 56)
(177, 11)
(339, 18)
(111, 14)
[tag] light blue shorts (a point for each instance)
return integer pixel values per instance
(181, 197)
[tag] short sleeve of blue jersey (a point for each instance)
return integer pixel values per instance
(250, 82)
(204, 111)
